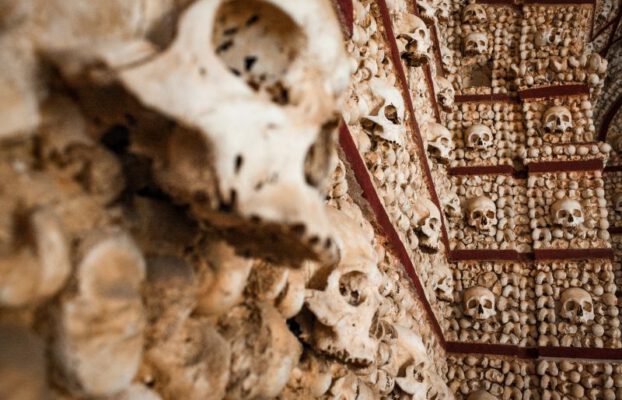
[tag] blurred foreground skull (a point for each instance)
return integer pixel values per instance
(577, 306)
(258, 88)
(479, 303)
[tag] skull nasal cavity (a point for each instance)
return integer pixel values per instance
(258, 42)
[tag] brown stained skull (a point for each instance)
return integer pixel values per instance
(414, 40)
(479, 303)
(475, 44)
(482, 213)
(479, 137)
(577, 306)
(474, 14)
(557, 119)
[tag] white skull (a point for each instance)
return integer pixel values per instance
(474, 14)
(443, 282)
(617, 201)
(479, 137)
(577, 306)
(479, 303)
(387, 121)
(411, 358)
(557, 119)
(445, 93)
(547, 36)
(430, 226)
(439, 141)
(264, 60)
(567, 213)
(482, 213)
(415, 41)
(346, 306)
(427, 10)
(476, 43)
(481, 395)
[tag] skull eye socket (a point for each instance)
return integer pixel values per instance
(352, 287)
(587, 307)
(421, 33)
(577, 213)
(390, 113)
(490, 214)
(472, 304)
(562, 214)
(565, 118)
(570, 305)
(487, 304)
(477, 214)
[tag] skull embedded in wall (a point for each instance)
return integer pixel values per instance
(412, 363)
(479, 137)
(557, 119)
(617, 202)
(414, 41)
(344, 306)
(547, 36)
(387, 121)
(481, 395)
(430, 228)
(577, 305)
(445, 93)
(475, 44)
(479, 303)
(482, 213)
(474, 14)
(439, 141)
(567, 213)
(427, 10)
(443, 282)
(265, 60)
(451, 205)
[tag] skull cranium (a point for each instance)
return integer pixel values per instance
(415, 41)
(386, 121)
(265, 59)
(482, 213)
(345, 307)
(445, 93)
(577, 305)
(557, 119)
(476, 43)
(567, 213)
(439, 141)
(479, 137)
(474, 14)
(443, 282)
(479, 303)
(430, 227)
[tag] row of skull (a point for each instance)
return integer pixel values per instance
(576, 304)
(482, 213)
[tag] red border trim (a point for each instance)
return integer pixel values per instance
(484, 255)
(554, 91)
(346, 13)
(482, 170)
(565, 166)
(573, 254)
(483, 98)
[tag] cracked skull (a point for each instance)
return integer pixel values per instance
(577, 306)
(474, 14)
(439, 141)
(344, 308)
(482, 213)
(567, 213)
(476, 43)
(557, 119)
(414, 41)
(430, 228)
(445, 93)
(387, 120)
(266, 60)
(479, 303)
(478, 137)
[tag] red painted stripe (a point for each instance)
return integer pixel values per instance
(484, 255)
(534, 352)
(565, 166)
(554, 91)
(346, 13)
(482, 170)
(573, 254)
(485, 98)
(559, 2)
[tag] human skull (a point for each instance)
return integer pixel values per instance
(387, 121)
(577, 306)
(266, 60)
(479, 303)
(617, 201)
(439, 141)
(451, 205)
(482, 213)
(548, 36)
(481, 395)
(557, 119)
(474, 14)
(445, 93)
(479, 137)
(430, 226)
(427, 10)
(415, 42)
(346, 305)
(476, 43)
(412, 363)
(567, 213)
(443, 282)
